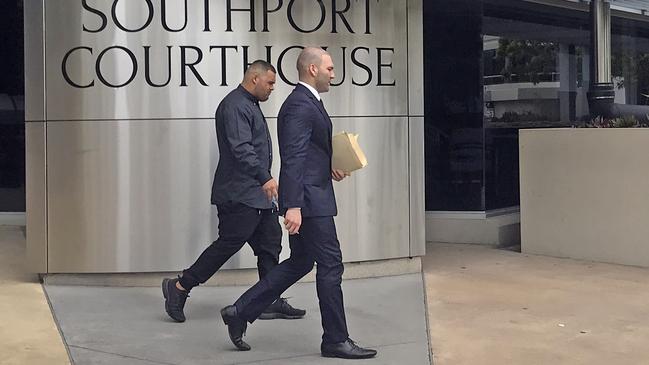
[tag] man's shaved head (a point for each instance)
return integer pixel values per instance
(309, 56)
(315, 68)
(259, 79)
(257, 68)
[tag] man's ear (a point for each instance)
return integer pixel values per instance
(313, 69)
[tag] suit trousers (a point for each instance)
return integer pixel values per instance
(238, 224)
(317, 242)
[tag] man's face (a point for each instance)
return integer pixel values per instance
(265, 85)
(325, 74)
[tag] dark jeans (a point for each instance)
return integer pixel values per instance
(316, 242)
(238, 224)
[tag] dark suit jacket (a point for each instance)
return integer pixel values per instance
(245, 152)
(304, 134)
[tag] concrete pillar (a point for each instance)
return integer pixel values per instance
(600, 11)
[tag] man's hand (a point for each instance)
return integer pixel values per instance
(293, 220)
(270, 189)
(338, 175)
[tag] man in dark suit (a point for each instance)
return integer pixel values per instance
(243, 192)
(308, 204)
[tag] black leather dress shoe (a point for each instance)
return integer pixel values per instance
(281, 309)
(174, 299)
(346, 350)
(236, 327)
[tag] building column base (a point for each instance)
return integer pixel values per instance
(235, 277)
(497, 228)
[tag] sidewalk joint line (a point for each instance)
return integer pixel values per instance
(121, 355)
(57, 323)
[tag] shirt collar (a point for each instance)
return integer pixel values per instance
(313, 91)
(247, 94)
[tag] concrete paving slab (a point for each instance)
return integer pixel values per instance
(489, 306)
(108, 325)
(28, 334)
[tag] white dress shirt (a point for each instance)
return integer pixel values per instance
(314, 91)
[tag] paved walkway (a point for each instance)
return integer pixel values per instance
(489, 306)
(485, 306)
(103, 325)
(28, 334)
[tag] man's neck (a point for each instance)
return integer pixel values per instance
(311, 88)
(249, 88)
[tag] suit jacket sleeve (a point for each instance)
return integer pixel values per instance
(296, 128)
(238, 134)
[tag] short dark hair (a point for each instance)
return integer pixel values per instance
(261, 66)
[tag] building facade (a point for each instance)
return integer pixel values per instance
(493, 67)
(120, 96)
(120, 144)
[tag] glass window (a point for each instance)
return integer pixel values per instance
(533, 76)
(630, 61)
(12, 127)
(491, 68)
(454, 135)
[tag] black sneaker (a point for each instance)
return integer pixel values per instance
(281, 309)
(174, 299)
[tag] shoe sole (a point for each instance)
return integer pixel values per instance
(165, 294)
(266, 316)
(347, 357)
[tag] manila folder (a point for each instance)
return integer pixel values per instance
(347, 154)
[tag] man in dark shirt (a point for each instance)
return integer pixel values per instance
(244, 193)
